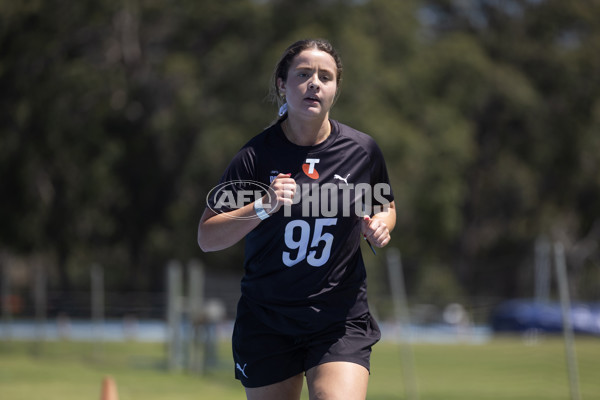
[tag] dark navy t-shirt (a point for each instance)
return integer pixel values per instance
(303, 267)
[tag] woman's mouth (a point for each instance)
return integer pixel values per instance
(312, 99)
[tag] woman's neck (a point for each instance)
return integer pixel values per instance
(303, 133)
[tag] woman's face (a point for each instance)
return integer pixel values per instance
(311, 84)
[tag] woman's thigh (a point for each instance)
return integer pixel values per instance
(289, 389)
(337, 380)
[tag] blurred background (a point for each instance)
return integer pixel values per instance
(118, 117)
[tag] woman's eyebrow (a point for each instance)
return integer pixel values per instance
(305, 68)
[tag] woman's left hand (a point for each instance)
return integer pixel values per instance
(375, 231)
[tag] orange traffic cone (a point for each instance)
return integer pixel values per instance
(109, 389)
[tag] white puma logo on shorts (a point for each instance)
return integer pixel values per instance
(237, 366)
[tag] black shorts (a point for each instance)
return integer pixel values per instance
(263, 356)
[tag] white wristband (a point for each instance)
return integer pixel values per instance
(260, 211)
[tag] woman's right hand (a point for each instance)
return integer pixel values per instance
(284, 188)
(219, 231)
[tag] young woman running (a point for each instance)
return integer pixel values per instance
(303, 309)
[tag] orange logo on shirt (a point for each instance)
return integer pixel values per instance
(309, 168)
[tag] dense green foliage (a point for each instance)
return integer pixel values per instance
(117, 117)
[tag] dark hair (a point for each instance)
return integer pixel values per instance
(283, 66)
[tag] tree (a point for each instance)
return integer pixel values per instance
(116, 119)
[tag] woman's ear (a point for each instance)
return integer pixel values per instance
(281, 86)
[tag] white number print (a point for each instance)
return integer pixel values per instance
(302, 243)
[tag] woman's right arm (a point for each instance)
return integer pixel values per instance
(220, 231)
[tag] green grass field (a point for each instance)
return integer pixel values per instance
(506, 368)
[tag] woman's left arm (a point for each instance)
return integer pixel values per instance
(376, 229)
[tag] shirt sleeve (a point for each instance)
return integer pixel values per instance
(241, 170)
(380, 181)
